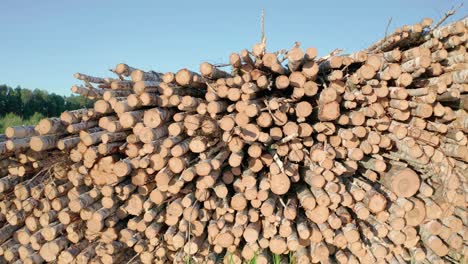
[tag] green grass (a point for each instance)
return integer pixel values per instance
(254, 259)
(276, 259)
(231, 259)
(463, 260)
(11, 119)
(292, 258)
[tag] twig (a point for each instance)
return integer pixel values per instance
(39, 173)
(190, 227)
(263, 40)
(388, 25)
(331, 54)
(221, 65)
(130, 260)
(211, 88)
(446, 16)
(278, 162)
(269, 111)
(284, 140)
(386, 31)
(282, 202)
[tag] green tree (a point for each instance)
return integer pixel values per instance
(26, 99)
(10, 119)
(34, 119)
(23, 106)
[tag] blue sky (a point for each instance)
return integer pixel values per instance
(44, 42)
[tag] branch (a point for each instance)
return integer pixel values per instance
(263, 40)
(446, 16)
(388, 25)
(331, 54)
(222, 65)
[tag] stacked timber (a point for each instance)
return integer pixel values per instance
(358, 158)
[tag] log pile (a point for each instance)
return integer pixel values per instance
(357, 158)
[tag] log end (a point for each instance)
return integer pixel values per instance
(405, 183)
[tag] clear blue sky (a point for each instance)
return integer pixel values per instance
(44, 42)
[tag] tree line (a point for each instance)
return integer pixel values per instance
(25, 102)
(21, 106)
